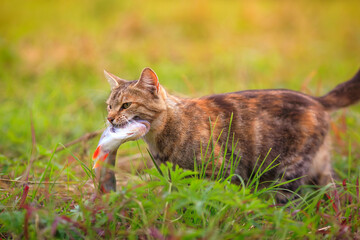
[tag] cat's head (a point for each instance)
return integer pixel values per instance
(142, 99)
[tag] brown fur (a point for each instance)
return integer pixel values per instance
(294, 125)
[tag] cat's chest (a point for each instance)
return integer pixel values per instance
(154, 149)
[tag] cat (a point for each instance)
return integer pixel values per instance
(295, 126)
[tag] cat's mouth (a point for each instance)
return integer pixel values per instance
(131, 121)
(119, 125)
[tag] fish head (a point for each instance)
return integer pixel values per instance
(134, 130)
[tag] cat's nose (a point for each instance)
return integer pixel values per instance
(110, 119)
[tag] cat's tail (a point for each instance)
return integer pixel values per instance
(343, 95)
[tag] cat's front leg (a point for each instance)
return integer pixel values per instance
(105, 176)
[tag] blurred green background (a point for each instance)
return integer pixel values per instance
(52, 56)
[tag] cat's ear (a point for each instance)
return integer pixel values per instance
(149, 80)
(113, 80)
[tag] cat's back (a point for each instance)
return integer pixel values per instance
(268, 99)
(287, 121)
(271, 106)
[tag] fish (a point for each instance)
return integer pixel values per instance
(105, 153)
(113, 137)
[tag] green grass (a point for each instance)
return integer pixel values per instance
(52, 54)
(176, 203)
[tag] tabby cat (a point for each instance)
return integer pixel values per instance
(293, 125)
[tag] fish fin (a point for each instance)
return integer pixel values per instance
(97, 163)
(97, 151)
(103, 189)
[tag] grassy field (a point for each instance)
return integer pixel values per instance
(52, 91)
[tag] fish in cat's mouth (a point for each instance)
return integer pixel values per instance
(138, 120)
(113, 137)
(120, 125)
(134, 119)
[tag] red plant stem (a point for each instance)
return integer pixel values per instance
(28, 213)
(318, 206)
(333, 204)
(348, 198)
(344, 184)
(357, 189)
(24, 195)
(75, 223)
(54, 226)
(26, 223)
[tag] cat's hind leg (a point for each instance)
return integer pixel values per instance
(309, 169)
(294, 175)
(321, 171)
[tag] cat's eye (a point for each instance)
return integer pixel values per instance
(109, 106)
(126, 105)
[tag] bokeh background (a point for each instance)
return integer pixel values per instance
(52, 56)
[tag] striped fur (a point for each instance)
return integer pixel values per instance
(294, 125)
